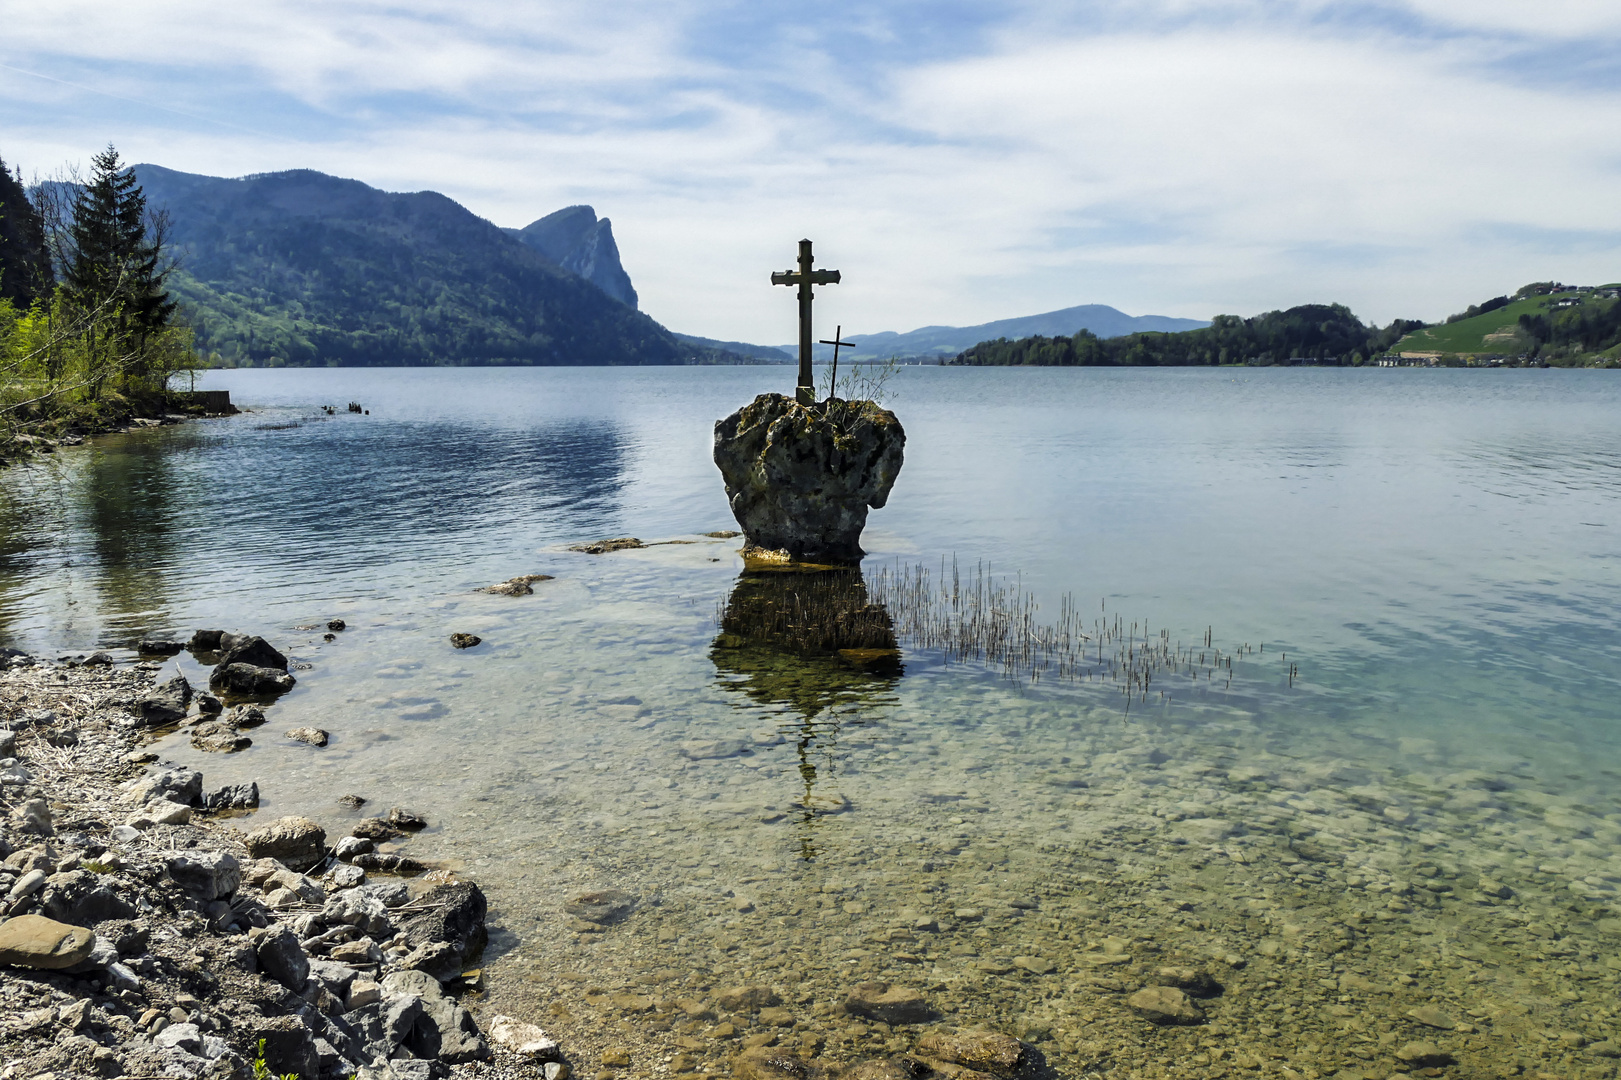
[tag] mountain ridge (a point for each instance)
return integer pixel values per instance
(300, 268)
(1100, 319)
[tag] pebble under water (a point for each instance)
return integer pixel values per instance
(1389, 846)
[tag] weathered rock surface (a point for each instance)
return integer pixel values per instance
(296, 842)
(446, 1030)
(250, 680)
(800, 479)
(747, 998)
(217, 738)
(456, 916)
(34, 941)
(987, 1051)
(522, 1038)
(166, 702)
(171, 785)
(314, 736)
(212, 875)
(233, 797)
(256, 651)
(82, 898)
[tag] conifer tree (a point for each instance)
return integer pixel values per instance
(25, 262)
(114, 271)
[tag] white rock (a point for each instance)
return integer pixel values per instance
(521, 1037)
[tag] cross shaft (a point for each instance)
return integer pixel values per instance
(805, 277)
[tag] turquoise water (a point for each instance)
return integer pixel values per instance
(1435, 550)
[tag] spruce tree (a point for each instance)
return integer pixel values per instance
(114, 273)
(25, 263)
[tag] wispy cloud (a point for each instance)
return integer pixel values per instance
(960, 162)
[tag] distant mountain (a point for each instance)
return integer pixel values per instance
(1102, 320)
(574, 239)
(300, 268)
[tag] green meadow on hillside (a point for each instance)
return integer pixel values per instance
(1501, 331)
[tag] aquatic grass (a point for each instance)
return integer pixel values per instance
(972, 616)
(977, 617)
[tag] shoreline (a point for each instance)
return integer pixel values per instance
(145, 935)
(114, 414)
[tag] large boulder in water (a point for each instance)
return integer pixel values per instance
(801, 478)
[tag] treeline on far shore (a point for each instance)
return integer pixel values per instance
(1320, 333)
(1584, 334)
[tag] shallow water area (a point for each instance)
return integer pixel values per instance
(1416, 841)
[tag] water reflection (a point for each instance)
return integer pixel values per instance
(129, 509)
(814, 646)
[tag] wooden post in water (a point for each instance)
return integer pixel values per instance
(805, 277)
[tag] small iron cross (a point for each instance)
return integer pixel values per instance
(833, 380)
(805, 277)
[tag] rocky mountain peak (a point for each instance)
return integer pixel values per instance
(578, 241)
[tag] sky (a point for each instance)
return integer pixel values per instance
(957, 162)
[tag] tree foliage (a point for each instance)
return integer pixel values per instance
(25, 261)
(110, 322)
(1568, 333)
(1317, 333)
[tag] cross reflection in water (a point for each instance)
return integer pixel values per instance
(814, 642)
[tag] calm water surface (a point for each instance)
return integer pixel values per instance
(1426, 817)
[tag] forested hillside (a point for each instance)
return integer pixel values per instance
(1318, 333)
(300, 268)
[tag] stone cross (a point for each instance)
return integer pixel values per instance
(805, 277)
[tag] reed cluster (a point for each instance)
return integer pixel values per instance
(973, 616)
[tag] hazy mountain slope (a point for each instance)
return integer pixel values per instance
(303, 268)
(763, 353)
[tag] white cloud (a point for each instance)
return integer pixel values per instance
(1188, 158)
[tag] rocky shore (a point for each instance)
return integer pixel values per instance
(146, 935)
(152, 928)
(33, 434)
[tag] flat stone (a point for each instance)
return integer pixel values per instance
(1424, 1055)
(296, 842)
(215, 737)
(747, 998)
(465, 641)
(33, 941)
(1430, 1016)
(522, 1038)
(986, 1051)
(887, 1002)
(1165, 1005)
(1035, 965)
(605, 906)
(314, 736)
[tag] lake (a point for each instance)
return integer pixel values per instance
(1394, 818)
